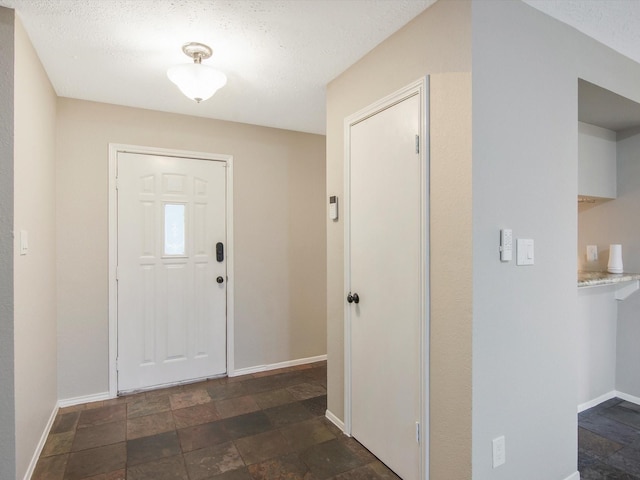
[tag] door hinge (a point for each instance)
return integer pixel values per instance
(117, 273)
(117, 364)
(417, 143)
(117, 183)
(417, 432)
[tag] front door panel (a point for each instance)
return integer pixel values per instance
(171, 308)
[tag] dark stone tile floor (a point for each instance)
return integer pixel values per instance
(609, 441)
(266, 426)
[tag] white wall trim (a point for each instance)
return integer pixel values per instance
(230, 272)
(43, 439)
(94, 397)
(627, 397)
(113, 264)
(573, 476)
(420, 87)
(114, 148)
(597, 401)
(275, 366)
(608, 396)
(335, 420)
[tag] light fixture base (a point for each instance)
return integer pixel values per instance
(197, 51)
(197, 81)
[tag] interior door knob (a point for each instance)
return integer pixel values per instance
(353, 298)
(219, 279)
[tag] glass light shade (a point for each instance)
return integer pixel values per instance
(198, 82)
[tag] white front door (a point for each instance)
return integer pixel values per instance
(386, 268)
(171, 270)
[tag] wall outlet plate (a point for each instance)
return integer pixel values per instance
(592, 253)
(499, 451)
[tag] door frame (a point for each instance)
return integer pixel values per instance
(421, 88)
(114, 149)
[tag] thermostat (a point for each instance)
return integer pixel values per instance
(333, 207)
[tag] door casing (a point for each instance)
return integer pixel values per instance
(114, 149)
(420, 87)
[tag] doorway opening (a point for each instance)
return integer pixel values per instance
(387, 279)
(170, 267)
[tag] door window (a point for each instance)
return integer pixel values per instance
(174, 229)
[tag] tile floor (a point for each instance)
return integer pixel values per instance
(256, 427)
(609, 441)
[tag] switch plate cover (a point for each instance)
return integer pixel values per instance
(24, 242)
(525, 251)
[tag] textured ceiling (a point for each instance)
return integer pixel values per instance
(616, 23)
(277, 54)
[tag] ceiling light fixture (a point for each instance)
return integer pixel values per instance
(197, 81)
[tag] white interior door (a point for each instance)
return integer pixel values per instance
(385, 271)
(171, 283)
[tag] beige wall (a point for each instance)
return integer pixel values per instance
(280, 280)
(34, 276)
(451, 276)
(436, 41)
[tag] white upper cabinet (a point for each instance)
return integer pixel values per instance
(596, 161)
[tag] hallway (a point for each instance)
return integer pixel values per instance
(263, 426)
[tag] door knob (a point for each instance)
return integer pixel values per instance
(219, 279)
(353, 298)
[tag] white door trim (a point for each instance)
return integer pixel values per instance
(114, 149)
(420, 87)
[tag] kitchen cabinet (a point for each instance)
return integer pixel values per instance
(597, 176)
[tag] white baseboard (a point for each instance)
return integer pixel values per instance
(335, 420)
(608, 396)
(597, 401)
(276, 366)
(573, 476)
(95, 397)
(43, 439)
(628, 398)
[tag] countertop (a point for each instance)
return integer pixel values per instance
(593, 279)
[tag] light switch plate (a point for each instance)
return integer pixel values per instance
(525, 251)
(24, 242)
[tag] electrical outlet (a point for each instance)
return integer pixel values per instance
(592, 253)
(499, 453)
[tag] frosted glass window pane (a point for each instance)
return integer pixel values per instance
(174, 222)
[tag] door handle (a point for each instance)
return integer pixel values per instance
(353, 298)
(220, 252)
(220, 280)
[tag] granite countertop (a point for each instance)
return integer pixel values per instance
(593, 279)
